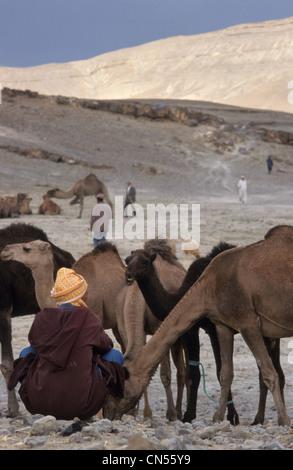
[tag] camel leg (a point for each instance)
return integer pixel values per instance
(165, 373)
(210, 329)
(147, 412)
(191, 339)
(254, 340)
(273, 347)
(177, 355)
(81, 207)
(226, 342)
(6, 358)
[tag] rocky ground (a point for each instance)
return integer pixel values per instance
(167, 162)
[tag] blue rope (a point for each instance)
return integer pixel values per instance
(197, 364)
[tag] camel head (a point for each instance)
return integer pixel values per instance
(114, 407)
(30, 254)
(52, 192)
(139, 265)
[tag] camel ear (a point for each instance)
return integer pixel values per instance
(45, 247)
(153, 257)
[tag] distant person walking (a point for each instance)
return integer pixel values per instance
(100, 218)
(242, 187)
(130, 198)
(270, 164)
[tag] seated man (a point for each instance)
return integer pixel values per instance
(70, 367)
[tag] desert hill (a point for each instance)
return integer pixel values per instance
(246, 65)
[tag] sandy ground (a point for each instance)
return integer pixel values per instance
(192, 172)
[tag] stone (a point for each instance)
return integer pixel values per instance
(139, 442)
(44, 426)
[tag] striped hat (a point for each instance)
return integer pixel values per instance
(69, 287)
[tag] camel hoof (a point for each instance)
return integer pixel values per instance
(257, 421)
(218, 417)
(13, 413)
(188, 418)
(284, 421)
(171, 415)
(233, 418)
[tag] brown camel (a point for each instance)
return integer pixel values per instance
(140, 266)
(49, 207)
(88, 186)
(17, 291)
(5, 209)
(20, 204)
(246, 289)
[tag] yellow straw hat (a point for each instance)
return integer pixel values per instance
(69, 287)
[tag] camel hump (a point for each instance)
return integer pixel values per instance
(104, 248)
(284, 231)
(162, 247)
(91, 178)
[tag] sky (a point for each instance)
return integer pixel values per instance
(36, 32)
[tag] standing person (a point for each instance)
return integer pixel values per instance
(130, 197)
(70, 367)
(270, 164)
(100, 218)
(242, 186)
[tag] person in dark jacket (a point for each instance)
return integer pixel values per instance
(70, 367)
(270, 164)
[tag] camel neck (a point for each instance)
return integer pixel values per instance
(158, 299)
(174, 326)
(44, 282)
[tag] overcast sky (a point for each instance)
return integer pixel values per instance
(35, 32)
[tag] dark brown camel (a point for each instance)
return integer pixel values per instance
(140, 267)
(140, 321)
(248, 290)
(17, 292)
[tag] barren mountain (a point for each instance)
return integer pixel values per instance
(247, 65)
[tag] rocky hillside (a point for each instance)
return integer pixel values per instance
(181, 150)
(247, 65)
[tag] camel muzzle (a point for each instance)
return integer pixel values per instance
(129, 280)
(5, 254)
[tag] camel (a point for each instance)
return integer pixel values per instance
(88, 186)
(20, 204)
(244, 289)
(5, 209)
(139, 320)
(17, 292)
(38, 257)
(103, 268)
(49, 207)
(140, 267)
